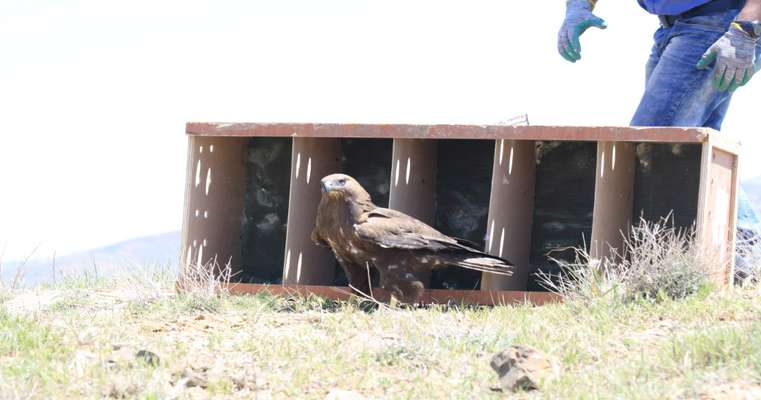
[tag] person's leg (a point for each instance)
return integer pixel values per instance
(677, 93)
(659, 42)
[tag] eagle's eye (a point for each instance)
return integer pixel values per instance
(342, 182)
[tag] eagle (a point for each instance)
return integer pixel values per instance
(401, 248)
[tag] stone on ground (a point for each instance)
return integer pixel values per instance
(522, 368)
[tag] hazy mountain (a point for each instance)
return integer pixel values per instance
(753, 189)
(144, 252)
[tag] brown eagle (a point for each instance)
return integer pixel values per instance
(402, 249)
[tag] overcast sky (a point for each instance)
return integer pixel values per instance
(94, 94)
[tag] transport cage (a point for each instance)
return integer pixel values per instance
(525, 193)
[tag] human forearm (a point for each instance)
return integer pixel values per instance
(751, 11)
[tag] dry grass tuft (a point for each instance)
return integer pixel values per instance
(202, 285)
(657, 261)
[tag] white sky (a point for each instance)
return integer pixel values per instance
(94, 94)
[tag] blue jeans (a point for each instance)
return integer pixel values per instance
(679, 94)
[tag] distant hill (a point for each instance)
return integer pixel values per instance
(753, 189)
(146, 252)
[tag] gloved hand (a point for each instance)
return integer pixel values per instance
(578, 18)
(735, 56)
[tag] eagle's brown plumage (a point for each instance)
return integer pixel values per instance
(400, 247)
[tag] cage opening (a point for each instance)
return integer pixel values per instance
(666, 183)
(463, 188)
(563, 204)
(265, 211)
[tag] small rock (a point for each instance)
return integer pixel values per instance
(192, 379)
(338, 394)
(148, 357)
(522, 368)
(121, 390)
(117, 346)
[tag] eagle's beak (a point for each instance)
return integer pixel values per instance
(326, 186)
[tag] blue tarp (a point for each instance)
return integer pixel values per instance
(747, 218)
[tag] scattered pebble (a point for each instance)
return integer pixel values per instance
(148, 357)
(522, 368)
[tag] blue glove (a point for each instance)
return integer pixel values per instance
(735, 56)
(578, 18)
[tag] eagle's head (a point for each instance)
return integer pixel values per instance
(343, 186)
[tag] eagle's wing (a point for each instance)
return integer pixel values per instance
(395, 230)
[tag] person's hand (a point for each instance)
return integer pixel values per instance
(578, 18)
(734, 55)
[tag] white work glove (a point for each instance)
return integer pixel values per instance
(735, 58)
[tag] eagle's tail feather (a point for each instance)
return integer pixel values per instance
(483, 262)
(486, 264)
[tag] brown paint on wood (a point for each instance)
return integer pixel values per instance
(511, 208)
(614, 197)
(717, 209)
(406, 131)
(413, 182)
(214, 194)
(430, 296)
(413, 178)
(213, 231)
(305, 262)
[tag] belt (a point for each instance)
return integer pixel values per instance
(712, 7)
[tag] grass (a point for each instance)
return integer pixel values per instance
(656, 261)
(618, 335)
(82, 344)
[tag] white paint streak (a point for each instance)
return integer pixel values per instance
(309, 169)
(510, 163)
(502, 242)
(298, 269)
(287, 267)
(198, 173)
(501, 150)
(409, 168)
(206, 214)
(491, 236)
(602, 164)
(208, 180)
(396, 176)
(298, 165)
(211, 148)
(613, 159)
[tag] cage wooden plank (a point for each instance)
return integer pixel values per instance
(429, 296)
(511, 209)
(413, 182)
(305, 262)
(717, 209)
(614, 196)
(407, 131)
(413, 178)
(213, 201)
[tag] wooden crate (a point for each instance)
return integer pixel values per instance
(252, 192)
